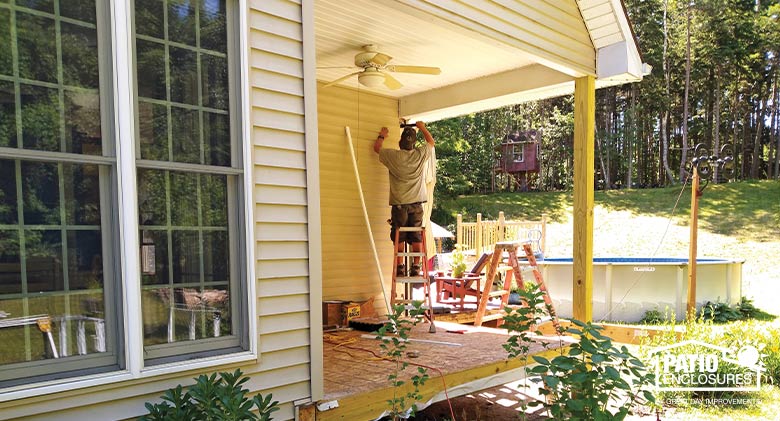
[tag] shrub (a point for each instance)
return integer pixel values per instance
(749, 311)
(720, 312)
(652, 317)
(394, 347)
(212, 398)
(590, 379)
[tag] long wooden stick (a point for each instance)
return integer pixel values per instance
(425, 341)
(692, 251)
(368, 223)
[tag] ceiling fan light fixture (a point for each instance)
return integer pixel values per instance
(371, 79)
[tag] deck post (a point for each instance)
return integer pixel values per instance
(584, 126)
(501, 230)
(459, 230)
(478, 235)
(544, 234)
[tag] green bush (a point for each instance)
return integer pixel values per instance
(720, 312)
(212, 398)
(652, 317)
(589, 379)
(749, 311)
(394, 347)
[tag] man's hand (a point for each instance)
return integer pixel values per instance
(420, 125)
(381, 138)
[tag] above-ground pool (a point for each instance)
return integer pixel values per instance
(624, 288)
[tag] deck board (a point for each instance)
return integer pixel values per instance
(358, 380)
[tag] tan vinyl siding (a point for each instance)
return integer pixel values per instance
(349, 271)
(550, 30)
(279, 172)
(277, 136)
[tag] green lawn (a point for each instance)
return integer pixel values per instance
(736, 220)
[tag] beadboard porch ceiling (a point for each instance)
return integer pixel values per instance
(491, 52)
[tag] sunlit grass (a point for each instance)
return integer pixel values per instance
(749, 210)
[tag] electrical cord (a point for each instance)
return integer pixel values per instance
(346, 343)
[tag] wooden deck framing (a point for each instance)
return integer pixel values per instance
(356, 378)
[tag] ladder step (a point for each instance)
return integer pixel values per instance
(411, 280)
(499, 293)
(411, 254)
(489, 317)
(411, 229)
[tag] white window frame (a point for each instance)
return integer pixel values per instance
(521, 148)
(122, 75)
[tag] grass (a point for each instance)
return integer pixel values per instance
(736, 220)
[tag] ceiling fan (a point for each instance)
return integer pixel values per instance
(375, 69)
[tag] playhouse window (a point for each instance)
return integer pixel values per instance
(518, 152)
(61, 273)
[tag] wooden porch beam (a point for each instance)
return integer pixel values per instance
(584, 128)
(527, 83)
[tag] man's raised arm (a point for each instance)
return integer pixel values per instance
(428, 138)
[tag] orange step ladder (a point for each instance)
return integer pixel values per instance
(510, 247)
(403, 295)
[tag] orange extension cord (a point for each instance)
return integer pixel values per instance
(340, 343)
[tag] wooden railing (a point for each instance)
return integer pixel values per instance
(482, 235)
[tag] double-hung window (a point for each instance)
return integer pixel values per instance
(63, 274)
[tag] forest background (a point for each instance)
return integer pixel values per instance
(716, 65)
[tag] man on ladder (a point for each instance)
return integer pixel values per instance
(406, 167)
(407, 187)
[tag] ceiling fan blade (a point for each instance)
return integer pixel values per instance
(341, 79)
(392, 83)
(425, 70)
(380, 59)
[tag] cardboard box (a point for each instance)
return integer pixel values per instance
(332, 313)
(340, 312)
(350, 311)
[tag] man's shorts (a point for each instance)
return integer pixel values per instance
(406, 216)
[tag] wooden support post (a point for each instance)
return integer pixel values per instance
(543, 246)
(459, 230)
(692, 249)
(584, 126)
(478, 235)
(501, 230)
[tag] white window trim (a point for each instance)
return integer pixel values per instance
(124, 117)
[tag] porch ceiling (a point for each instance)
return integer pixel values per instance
(510, 52)
(342, 28)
